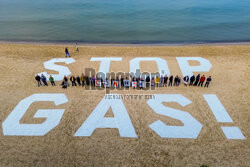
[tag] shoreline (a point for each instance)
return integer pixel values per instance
(126, 44)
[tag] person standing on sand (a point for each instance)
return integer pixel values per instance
(77, 49)
(65, 79)
(67, 52)
(87, 80)
(197, 79)
(122, 81)
(64, 85)
(147, 81)
(161, 81)
(157, 80)
(165, 80)
(170, 80)
(202, 80)
(209, 79)
(82, 79)
(152, 81)
(78, 80)
(176, 80)
(51, 79)
(186, 79)
(73, 80)
(44, 80)
(192, 80)
(38, 79)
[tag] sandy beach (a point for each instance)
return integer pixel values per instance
(230, 73)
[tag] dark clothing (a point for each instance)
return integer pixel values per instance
(38, 79)
(192, 80)
(170, 81)
(78, 80)
(175, 81)
(65, 79)
(67, 52)
(87, 81)
(93, 81)
(64, 85)
(147, 81)
(44, 80)
(165, 80)
(197, 80)
(186, 79)
(209, 79)
(53, 83)
(122, 83)
(73, 80)
(178, 81)
(200, 83)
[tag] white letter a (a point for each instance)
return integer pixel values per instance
(121, 119)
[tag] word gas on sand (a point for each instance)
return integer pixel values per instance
(191, 127)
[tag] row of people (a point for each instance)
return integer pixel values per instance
(197, 81)
(125, 82)
(43, 79)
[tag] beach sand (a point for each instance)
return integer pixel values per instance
(230, 73)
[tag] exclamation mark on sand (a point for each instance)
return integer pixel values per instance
(221, 115)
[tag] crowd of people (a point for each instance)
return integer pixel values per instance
(165, 81)
(157, 81)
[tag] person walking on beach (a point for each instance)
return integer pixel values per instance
(78, 80)
(51, 79)
(202, 80)
(197, 79)
(77, 49)
(67, 52)
(38, 79)
(170, 80)
(192, 80)
(44, 80)
(209, 79)
(73, 80)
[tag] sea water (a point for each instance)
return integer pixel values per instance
(125, 21)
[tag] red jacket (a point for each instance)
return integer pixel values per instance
(202, 79)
